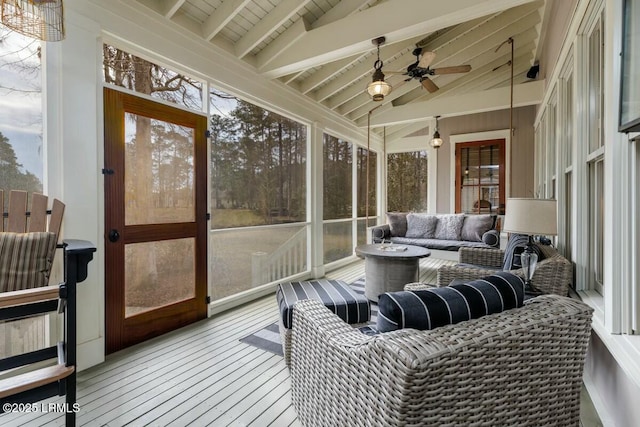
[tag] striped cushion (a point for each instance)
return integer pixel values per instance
(430, 308)
(336, 295)
(25, 260)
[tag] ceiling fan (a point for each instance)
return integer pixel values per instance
(421, 71)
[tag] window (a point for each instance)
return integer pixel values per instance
(21, 150)
(595, 73)
(568, 251)
(567, 158)
(337, 198)
(596, 223)
(21, 158)
(407, 181)
(550, 177)
(595, 156)
(540, 154)
(480, 177)
(568, 122)
(551, 137)
(366, 164)
(258, 164)
(124, 69)
(629, 86)
(258, 193)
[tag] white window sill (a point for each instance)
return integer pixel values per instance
(624, 348)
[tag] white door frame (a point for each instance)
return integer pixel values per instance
(479, 136)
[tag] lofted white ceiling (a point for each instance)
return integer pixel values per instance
(324, 50)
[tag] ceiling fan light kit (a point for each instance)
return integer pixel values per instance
(421, 69)
(378, 88)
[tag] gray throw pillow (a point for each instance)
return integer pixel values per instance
(397, 223)
(421, 226)
(449, 227)
(492, 238)
(474, 226)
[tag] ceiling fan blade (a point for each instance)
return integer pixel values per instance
(451, 70)
(429, 85)
(426, 59)
(393, 73)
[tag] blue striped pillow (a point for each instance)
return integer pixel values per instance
(429, 309)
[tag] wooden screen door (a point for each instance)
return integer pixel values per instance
(155, 218)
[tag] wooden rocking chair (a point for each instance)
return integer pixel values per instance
(28, 241)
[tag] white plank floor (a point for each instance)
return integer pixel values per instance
(199, 375)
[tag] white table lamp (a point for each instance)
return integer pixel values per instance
(533, 217)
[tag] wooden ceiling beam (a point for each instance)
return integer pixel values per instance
(488, 38)
(282, 42)
(456, 48)
(170, 7)
(326, 73)
(221, 17)
(397, 132)
(453, 81)
(363, 69)
(353, 34)
(284, 11)
(495, 99)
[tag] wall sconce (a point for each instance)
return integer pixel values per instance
(378, 88)
(436, 141)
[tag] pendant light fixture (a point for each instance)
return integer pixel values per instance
(378, 88)
(436, 141)
(39, 19)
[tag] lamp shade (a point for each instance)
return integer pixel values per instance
(378, 89)
(436, 142)
(531, 216)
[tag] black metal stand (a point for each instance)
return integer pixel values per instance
(77, 255)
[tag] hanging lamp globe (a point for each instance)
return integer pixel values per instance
(436, 141)
(378, 88)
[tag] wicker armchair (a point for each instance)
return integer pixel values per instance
(553, 275)
(519, 367)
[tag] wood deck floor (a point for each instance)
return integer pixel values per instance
(198, 375)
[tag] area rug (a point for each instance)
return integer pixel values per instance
(268, 339)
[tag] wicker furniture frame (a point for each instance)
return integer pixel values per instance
(519, 367)
(553, 275)
(344, 303)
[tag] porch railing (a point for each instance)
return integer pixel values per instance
(288, 259)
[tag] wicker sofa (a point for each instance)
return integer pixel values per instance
(553, 275)
(520, 367)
